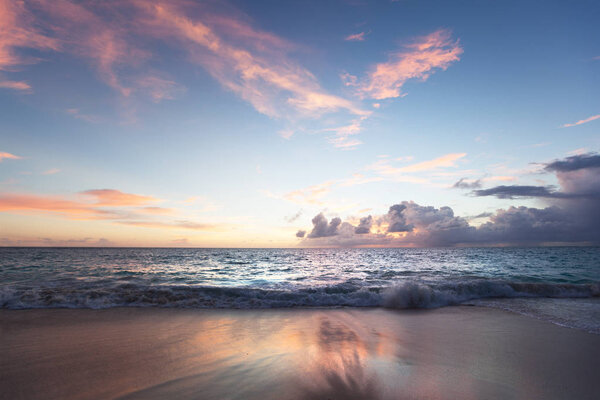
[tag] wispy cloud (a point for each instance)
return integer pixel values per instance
(311, 195)
(357, 37)
(342, 138)
(384, 167)
(253, 64)
(82, 29)
(55, 242)
(381, 170)
(359, 179)
(18, 30)
(417, 61)
(448, 160)
(77, 29)
(106, 204)
(582, 121)
(264, 77)
(294, 217)
(202, 204)
(286, 133)
(76, 113)
(8, 156)
(578, 152)
(51, 171)
(173, 225)
(157, 210)
(158, 88)
(112, 197)
(464, 183)
(51, 204)
(15, 85)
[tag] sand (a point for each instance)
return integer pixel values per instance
(450, 353)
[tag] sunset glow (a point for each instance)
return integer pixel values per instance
(264, 124)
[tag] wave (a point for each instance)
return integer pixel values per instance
(411, 294)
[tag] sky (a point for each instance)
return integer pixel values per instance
(299, 123)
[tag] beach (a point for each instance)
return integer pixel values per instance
(461, 352)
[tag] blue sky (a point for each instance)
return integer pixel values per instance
(225, 118)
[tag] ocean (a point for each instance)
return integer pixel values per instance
(557, 284)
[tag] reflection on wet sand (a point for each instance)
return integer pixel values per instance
(339, 365)
(461, 352)
(296, 355)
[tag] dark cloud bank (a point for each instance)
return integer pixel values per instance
(572, 216)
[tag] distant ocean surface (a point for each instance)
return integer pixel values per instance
(558, 284)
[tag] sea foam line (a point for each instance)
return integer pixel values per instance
(410, 294)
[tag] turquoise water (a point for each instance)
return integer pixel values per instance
(262, 278)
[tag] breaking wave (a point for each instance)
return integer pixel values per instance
(412, 294)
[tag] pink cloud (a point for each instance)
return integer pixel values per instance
(81, 31)
(240, 60)
(113, 38)
(418, 61)
(52, 204)
(384, 168)
(76, 113)
(18, 30)
(357, 37)
(159, 88)
(79, 208)
(342, 138)
(311, 195)
(582, 121)
(112, 197)
(237, 29)
(344, 143)
(80, 28)
(15, 85)
(448, 160)
(174, 225)
(110, 205)
(286, 133)
(68, 27)
(7, 156)
(156, 210)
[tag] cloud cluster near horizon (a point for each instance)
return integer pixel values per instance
(572, 216)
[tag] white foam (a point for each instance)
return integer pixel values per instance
(412, 294)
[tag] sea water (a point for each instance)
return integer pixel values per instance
(558, 284)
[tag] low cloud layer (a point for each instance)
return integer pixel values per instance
(464, 183)
(574, 163)
(572, 216)
(364, 226)
(578, 176)
(516, 191)
(99, 204)
(323, 229)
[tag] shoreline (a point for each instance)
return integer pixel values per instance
(466, 352)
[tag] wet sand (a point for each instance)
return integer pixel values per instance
(450, 353)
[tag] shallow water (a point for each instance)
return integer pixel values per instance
(266, 278)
